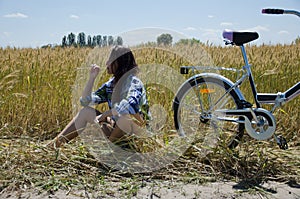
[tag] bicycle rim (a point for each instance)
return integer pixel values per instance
(197, 120)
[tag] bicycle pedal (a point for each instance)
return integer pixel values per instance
(282, 143)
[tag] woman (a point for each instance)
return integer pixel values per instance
(128, 110)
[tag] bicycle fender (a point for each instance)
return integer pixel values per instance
(220, 78)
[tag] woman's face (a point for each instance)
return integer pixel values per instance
(111, 67)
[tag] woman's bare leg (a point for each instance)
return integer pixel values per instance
(127, 125)
(116, 134)
(106, 128)
(75, 127)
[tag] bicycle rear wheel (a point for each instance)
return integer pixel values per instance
(195, 117)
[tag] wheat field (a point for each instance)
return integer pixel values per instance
(36, 88)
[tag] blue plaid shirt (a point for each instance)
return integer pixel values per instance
(132, 96)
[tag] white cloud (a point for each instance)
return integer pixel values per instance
(226, 24)
(190, 28)
(15, 15)
(283, 32)
(74, 16)
(210, 16)
(7, 34)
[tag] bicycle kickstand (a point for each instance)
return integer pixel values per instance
(281, 141)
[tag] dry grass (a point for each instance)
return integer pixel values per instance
(36, 103)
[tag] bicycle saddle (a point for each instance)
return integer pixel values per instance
(239, 38)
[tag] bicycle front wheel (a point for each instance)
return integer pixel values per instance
(195, 113)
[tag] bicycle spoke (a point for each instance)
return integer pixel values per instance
(198, 118)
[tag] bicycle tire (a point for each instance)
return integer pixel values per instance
(188, 117)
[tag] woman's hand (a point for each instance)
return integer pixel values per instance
(95, 69)
(106, 116)
(100, 118)
(103, 116)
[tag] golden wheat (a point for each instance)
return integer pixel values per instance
(36, 84)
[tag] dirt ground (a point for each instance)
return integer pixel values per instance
(223, 190)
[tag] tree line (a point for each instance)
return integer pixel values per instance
(101, 41)
(90, 41)
(81, 40)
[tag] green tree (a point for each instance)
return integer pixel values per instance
(104, 41)
(110, 40)
(71, 39)
(191, 42)
(64, 41)
(89, 41)
(99, 40)
(94, 42)
(81, 39)
(119, 41)
(164, 39)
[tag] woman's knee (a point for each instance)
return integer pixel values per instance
(130, 124)
(124, 123)
(88, 113)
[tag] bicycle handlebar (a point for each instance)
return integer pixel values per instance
(280, 11)
(272, 11)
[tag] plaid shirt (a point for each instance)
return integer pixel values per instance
(132, 96)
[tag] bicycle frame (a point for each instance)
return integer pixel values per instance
(277, 99)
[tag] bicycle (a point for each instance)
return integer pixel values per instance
(212, 104)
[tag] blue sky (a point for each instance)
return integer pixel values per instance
(32, 23)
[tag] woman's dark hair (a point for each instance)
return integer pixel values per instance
(125, 63)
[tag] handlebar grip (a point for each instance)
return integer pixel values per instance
(272, 11)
